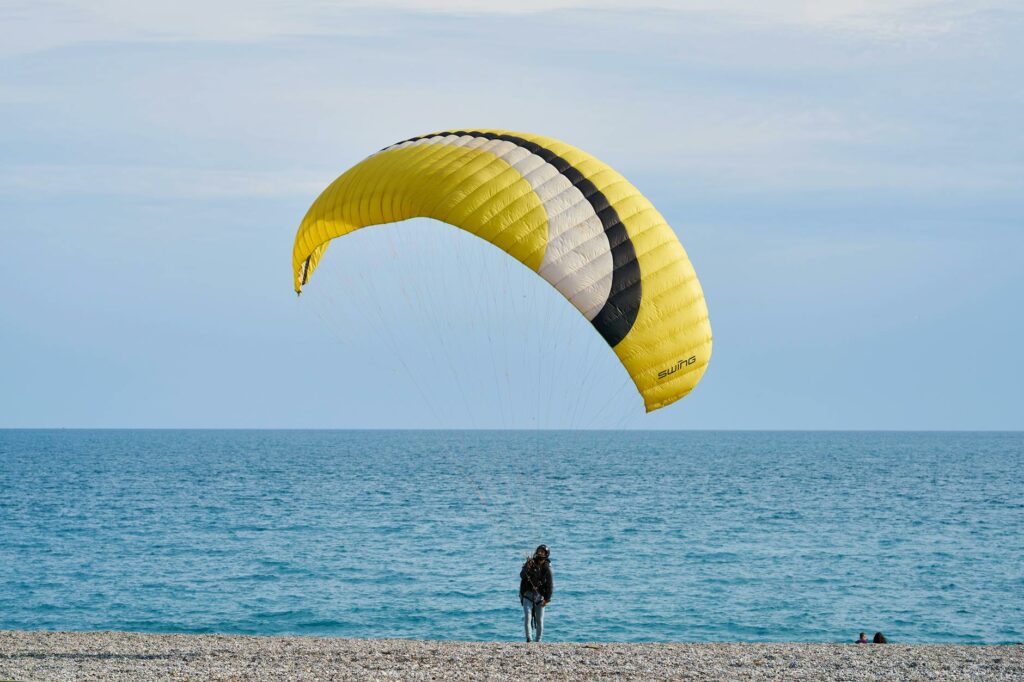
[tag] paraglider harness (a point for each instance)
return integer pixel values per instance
(529, 573)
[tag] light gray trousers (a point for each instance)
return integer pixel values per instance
(533, 615)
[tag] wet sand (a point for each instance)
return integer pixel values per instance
(130, 656)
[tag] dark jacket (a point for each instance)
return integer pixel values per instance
(536, 577)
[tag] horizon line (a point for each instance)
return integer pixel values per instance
(489, 430)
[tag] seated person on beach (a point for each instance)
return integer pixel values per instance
(535, 587)
(863, 639)
(880, 638)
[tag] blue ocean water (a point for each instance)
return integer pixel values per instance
(686, 536)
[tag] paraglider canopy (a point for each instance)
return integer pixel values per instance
(559, 211)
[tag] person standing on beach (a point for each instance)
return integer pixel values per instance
(535, 587)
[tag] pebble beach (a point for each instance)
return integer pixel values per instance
(29, 656)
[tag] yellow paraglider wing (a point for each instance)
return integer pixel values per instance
(558, 210)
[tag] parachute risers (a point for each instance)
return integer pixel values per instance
(559, 211)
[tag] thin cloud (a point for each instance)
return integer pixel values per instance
(725, 103)
(156, 183)
(36, 26)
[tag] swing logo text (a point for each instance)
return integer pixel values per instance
(678, 366)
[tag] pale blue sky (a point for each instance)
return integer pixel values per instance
(848, 179)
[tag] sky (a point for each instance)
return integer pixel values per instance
(847, 178)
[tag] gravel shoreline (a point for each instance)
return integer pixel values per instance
(26, 656)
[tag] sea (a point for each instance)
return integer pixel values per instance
(655, 536)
